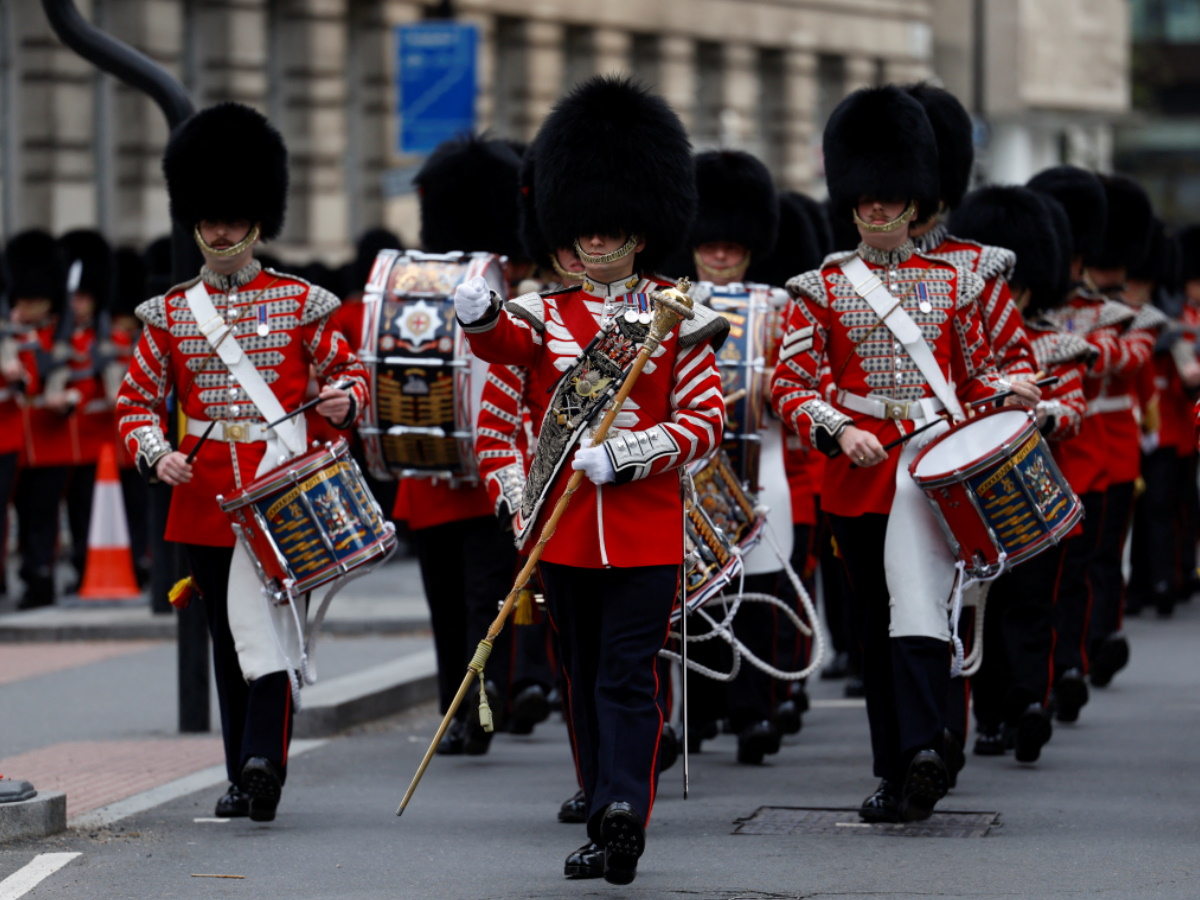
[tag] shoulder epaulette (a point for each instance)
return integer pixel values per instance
(1114, 313)
(704, 325)
(837, 258)
(530, 308)
(995, 262)
(811, 284)
(970, 286)
(153, 311)
(1149, 318)
(554, 292)
(182, 287)
(319, 304)
(1058, 347)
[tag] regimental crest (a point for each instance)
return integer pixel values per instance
(418, 323)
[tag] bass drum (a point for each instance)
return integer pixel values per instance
(425, 383)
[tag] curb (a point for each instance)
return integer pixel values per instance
(43, 815)
(383, 690)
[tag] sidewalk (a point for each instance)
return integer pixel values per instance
(88, 694)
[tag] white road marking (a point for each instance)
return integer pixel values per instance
(849, 703)
(202, 821)
(25, 879)
(172, 790)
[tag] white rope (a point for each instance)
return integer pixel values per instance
(961, 665)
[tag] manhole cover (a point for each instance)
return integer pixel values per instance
(796, 820)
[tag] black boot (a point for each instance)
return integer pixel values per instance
(1070, 695)
(586, 862)
(924, 785)
(756, 741)
(233, 804)
(529, 707)
(1033, 730)
(989, 740)
(574, 811)
(1110, 657)
(262, 783)
(624, 838)
(883, 805)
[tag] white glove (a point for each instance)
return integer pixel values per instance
(472, 299)
(594, 463)
(1149, 442)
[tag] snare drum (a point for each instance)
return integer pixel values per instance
(995, 489)
(310, 521)
(425, 383)
(744, 366)
(711, 560)
(728, 506)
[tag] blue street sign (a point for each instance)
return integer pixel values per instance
(437, 75)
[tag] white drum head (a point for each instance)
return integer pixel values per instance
(970, 442)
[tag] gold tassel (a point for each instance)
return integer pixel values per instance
(181, 592)
(525, 612)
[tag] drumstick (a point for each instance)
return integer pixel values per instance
(303, 407)
(191, 457)
(733, 398)
(892, 445)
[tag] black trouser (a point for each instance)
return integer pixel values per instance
(792, 648)
(1018, 641)
(611, 623)
(1073, 602)
(8, 478)
(81, 485)
(39, 492)
(1108, 581)
(750, 697)
(256, 716)
(467, 568)
(532, 663)
(958, 701)
(906, 679)
(1188, 500)
(1158, 518)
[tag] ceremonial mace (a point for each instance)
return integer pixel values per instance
(671, 306)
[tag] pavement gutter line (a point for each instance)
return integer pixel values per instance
(165, 793)
(33, 873)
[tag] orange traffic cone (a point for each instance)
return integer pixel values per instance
(109, 573)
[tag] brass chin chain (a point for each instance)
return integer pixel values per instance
(725, 273)
(565, 274)
(901, 220)
(240, 247)
(620, 253)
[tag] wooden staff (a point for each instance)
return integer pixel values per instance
(672, 305)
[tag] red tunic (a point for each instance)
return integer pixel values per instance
(1117, 401)
(1176, 402)
(834, 342)
(678, 398)
(805, 469)
(172, 354)
(13, 397)
(53, 438)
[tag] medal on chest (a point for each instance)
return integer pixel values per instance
(264, 327)
(923, 303)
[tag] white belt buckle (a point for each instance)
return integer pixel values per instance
(235, 432)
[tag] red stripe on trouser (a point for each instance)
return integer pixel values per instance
(570, 706)
(658, 706)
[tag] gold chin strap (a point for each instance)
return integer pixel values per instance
(565, 274)
(620, 253)
(240, 247)
(727, 273)
(901, 220)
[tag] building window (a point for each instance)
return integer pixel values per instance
(510, 84)
(831, 86)
(645, 55)
(710, 81)
(579, 46)
(772, 110)
(9, 135)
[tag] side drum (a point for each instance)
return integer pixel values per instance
(425, 383)
(310, 521)
(996, 491)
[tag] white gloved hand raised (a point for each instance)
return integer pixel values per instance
(594, 463)
(472, 299)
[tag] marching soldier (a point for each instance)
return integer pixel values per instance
(1126, 242)
(614, 179)
(1011, 690)
(467, 559)
(233, 342)
(857, 371)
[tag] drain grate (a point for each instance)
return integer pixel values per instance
(797, 820)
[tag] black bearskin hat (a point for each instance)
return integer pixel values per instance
(879, 143)
(736, 202)
(1161, 262)
(468, 191)
(98, 275)
(131, 281)
(818, 215)
(1189, 253)
(799, 248)
(370, 243)
(36, 269)
(536, 247)
(1015, 218)
(225, 164)
(612, 158)
(1082, 198)
(157, 257)
(955, 139)
(1127, 232)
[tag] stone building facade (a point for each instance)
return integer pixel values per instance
(76, 148)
